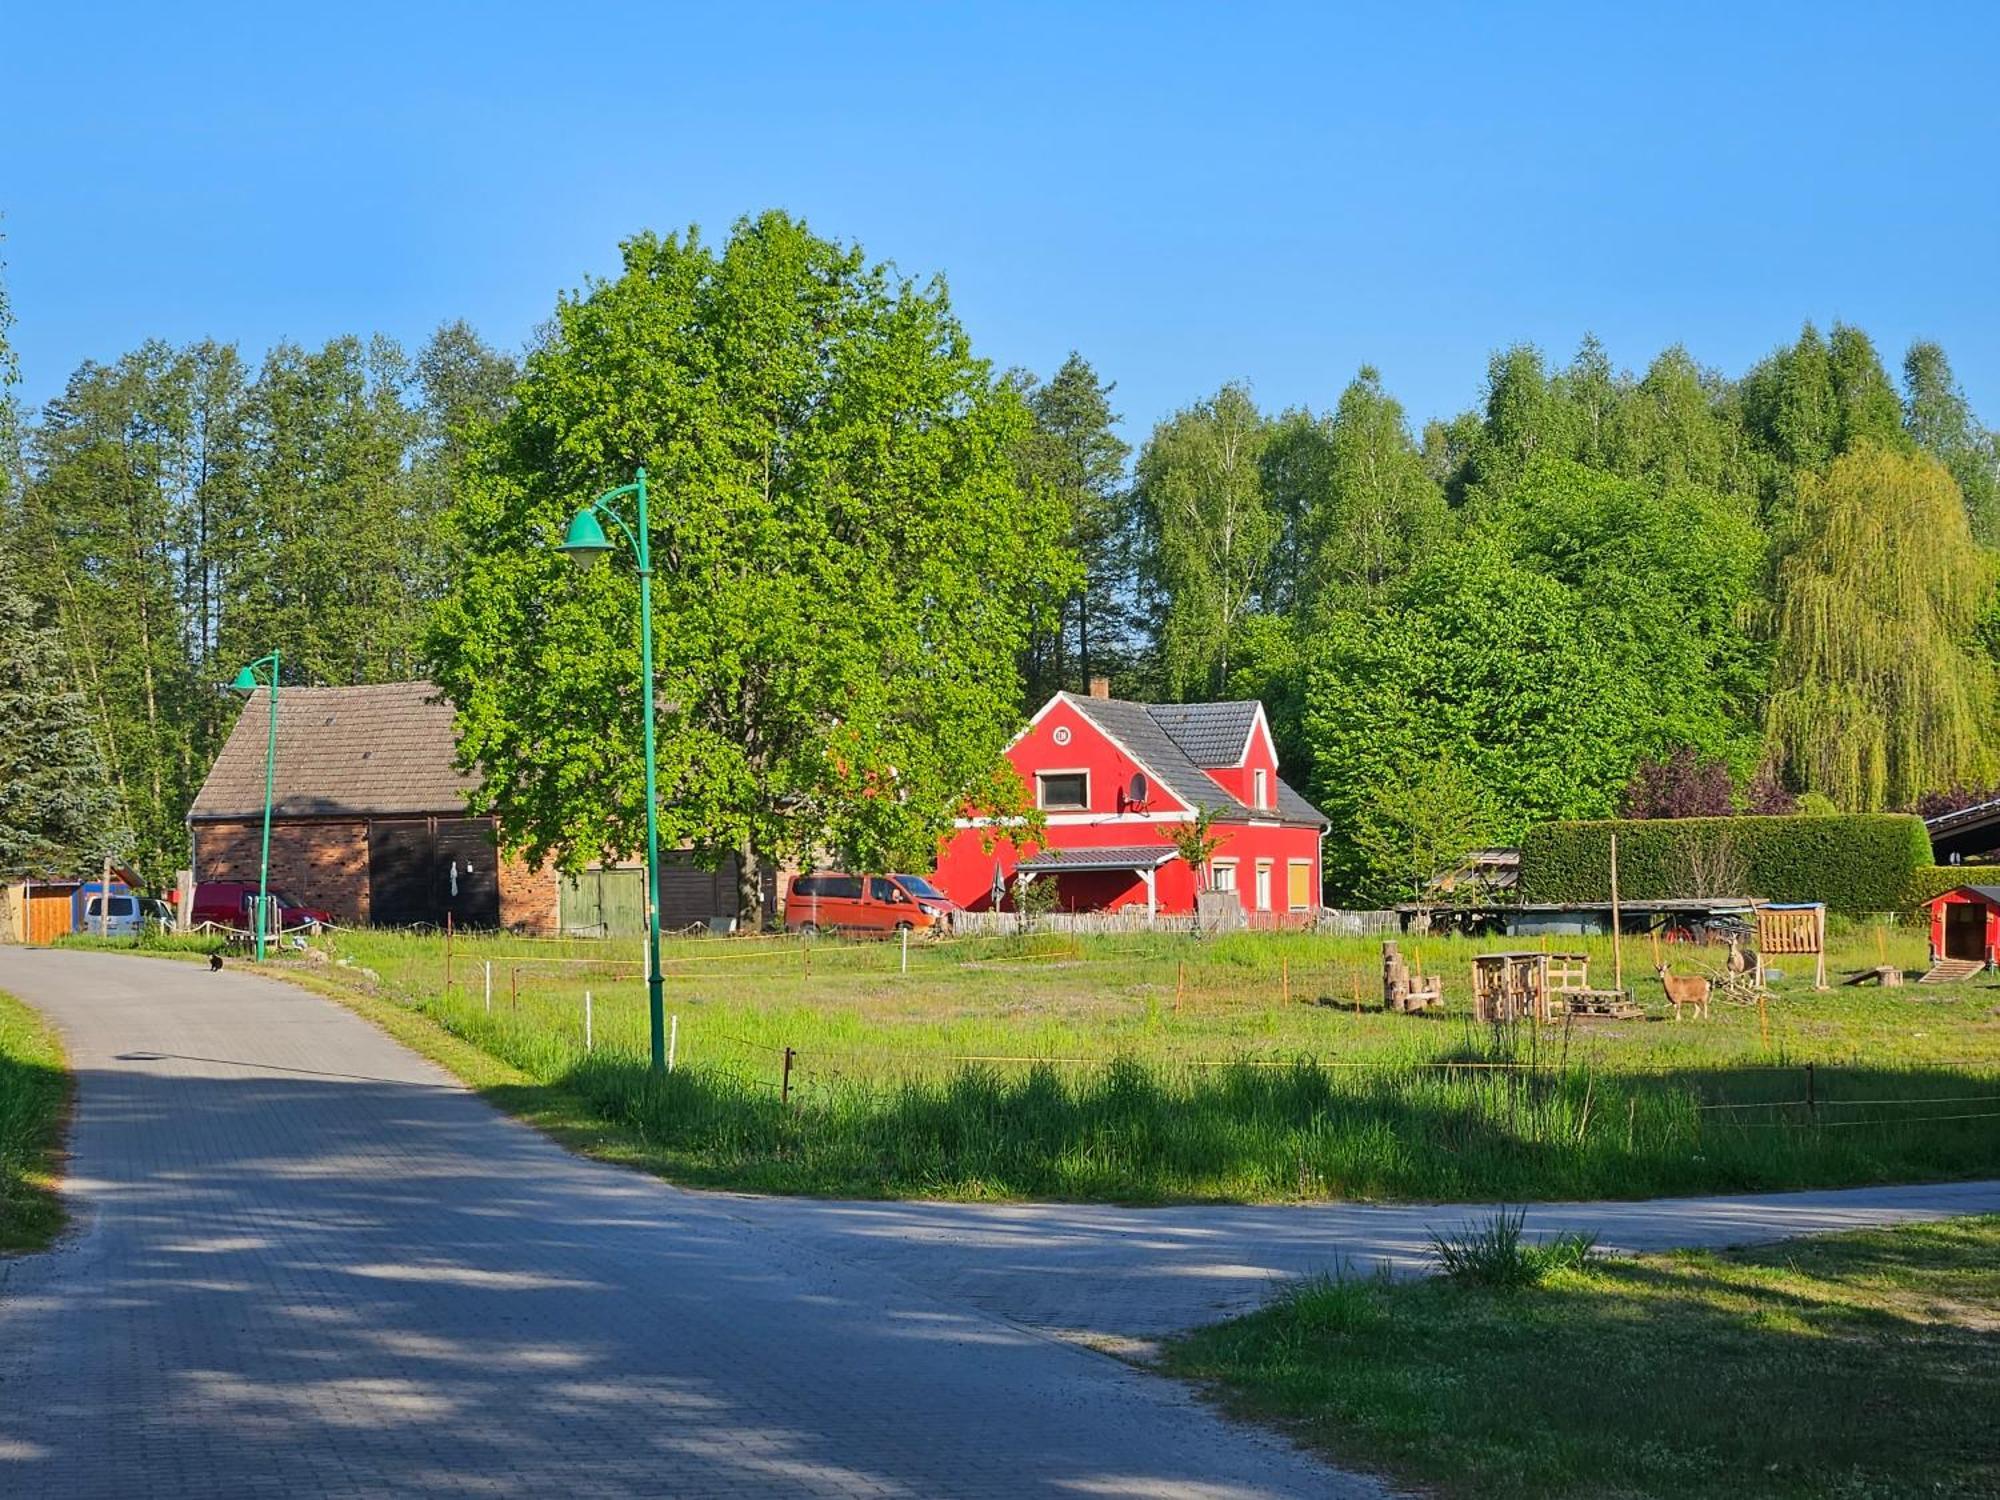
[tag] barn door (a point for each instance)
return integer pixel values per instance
(467, 872)
(401, 875)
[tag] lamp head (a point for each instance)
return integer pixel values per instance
(585, 540)
(246, 681)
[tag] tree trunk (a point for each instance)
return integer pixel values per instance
(749, 887)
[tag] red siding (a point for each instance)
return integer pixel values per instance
(965, 869)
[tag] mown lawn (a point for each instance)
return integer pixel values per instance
(34, 1099)
(1861, 1365)
(1160, 1067)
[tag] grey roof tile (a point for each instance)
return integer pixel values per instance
(1148, 731)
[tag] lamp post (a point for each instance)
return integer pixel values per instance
(247, 681)
(585, 542)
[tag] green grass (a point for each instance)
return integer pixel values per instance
(34, 1101)
(149, 941)
(1160, 1068)
(1860, 1365)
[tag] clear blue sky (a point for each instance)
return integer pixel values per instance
(1187, 194)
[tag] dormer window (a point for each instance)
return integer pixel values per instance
(1261, 782)
(1062, 791)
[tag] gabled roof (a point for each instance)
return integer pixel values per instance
(386, 748)
(1990, 893)
(1153, 733)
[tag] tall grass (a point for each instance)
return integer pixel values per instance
(1152, 1068)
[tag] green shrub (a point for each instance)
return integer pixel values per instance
(1927, 882)
(1854, 863)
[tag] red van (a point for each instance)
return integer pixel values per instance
(834, 901)
(229, 903)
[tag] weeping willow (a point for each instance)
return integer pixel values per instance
(1878, 691)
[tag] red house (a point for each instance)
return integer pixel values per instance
(1965, 926)
(1113, 778)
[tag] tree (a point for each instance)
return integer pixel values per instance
(1381, 511)
(1074, 453)
(846, 569)
(57, 813)
(1419, 824)
(1480, 659)
(1209, 535)
(1681, 785)
(1940, 421)
(1877, 693)
(331, 559)
(1196, 841)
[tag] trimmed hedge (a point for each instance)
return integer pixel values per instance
(1928, 882)
(1852, 863)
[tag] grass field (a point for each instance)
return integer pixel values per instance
(1859, 1365)
(1159, 1067)
(34, 1097)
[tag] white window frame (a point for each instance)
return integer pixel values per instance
(1041, 789)
(1218, 871)
(1299, 864)
(1263, 885)
(1260, 779)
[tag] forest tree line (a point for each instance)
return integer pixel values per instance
(1597, 593)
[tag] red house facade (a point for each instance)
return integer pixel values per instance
(1113, 778)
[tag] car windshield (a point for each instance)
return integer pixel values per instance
(916, 885)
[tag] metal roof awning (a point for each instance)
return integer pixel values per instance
(1139, 857)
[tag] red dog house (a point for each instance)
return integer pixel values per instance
(1965, 925)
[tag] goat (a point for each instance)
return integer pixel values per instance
(1692, 990)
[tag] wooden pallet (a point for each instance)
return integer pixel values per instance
(1952, 971)
(1602, 1005)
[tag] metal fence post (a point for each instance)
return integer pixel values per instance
(1812, 1093)
(589, 1045)
(487, 965)
(673, 1041)
(785, 1086)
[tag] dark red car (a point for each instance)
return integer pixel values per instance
(228, 903)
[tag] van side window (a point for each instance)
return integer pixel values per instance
(831, 887)
(881, 888)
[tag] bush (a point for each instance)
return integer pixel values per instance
(1927, 882)
(1853, 863)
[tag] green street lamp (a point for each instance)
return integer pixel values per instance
(248, 681)
(586, 542)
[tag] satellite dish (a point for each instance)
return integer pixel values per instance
(1140, 788)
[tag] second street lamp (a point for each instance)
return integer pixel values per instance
(586, 542)
(247, 681)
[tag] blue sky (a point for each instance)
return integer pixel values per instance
(1187, 194)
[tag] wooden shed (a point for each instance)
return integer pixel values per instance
(1965, 926)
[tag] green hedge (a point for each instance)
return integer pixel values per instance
(1854, 864)
(1929, 881)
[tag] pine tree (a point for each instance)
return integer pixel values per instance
(56, 809)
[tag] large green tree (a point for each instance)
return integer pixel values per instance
(1209, 533)
(1879, 692)
(845, 567)
(1940, 421)
(1073, 453)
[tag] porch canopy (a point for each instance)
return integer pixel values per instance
(1143, 860)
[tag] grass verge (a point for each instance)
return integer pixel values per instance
(34, 1106)
(1857, 1365)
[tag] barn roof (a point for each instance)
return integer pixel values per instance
(1170, 739)
(386, 748)
(1987, 892)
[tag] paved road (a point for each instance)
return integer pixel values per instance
(316, 1266)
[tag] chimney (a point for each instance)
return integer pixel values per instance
(1100, 687)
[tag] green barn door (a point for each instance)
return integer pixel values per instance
(604, 903)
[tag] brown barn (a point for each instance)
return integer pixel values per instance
(369, 823)
(368, 816)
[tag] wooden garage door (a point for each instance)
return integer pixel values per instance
(422, 870)
(467, 872)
